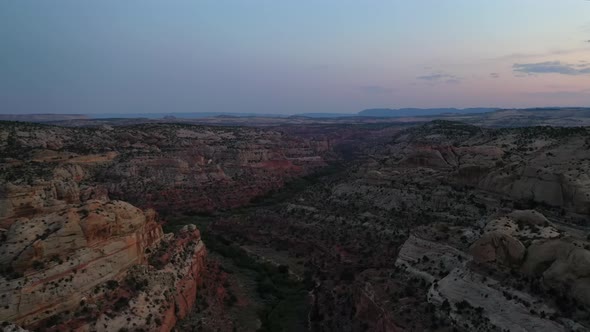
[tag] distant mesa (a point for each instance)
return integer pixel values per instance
(42, 117)
(482, 116)
(324, 115)
(404, 112)
(180, 115)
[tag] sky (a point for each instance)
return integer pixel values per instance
(289, 57)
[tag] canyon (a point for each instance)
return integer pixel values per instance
(82, 244)
(436, 226)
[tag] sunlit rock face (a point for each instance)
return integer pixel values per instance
(168, 167)
(438, 226)
(56, 259)
(160, 294)
(95, 264)
(82, 245)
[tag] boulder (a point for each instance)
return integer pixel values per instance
(564, 265)
(498, 247)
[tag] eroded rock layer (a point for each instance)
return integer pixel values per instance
(76, 254)
(168, 167)
(441, 227)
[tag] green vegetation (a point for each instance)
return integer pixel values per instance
(38, 265)
(9, 273)
(295, 186)
(285, 298)
(136, 283)
(121, 303)
(549, 132)
(272, 198)
(452, 127)
(112, 284)
(26, 173)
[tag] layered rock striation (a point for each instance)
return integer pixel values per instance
(167, 167)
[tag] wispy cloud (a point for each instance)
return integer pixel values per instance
(494, 75)
(551, 67)
(517, 56)
(440, 77)
(376, 89)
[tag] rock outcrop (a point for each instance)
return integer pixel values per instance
(499, 248)
(519, 225)
(53, 261)
(429, 260)
(71, 257)
(102, 265)
(542, 164)
(432, 229)
(480, 304)
(160, 294)
(167, 167)
(433, 210)
(564, 265)
(76, 254)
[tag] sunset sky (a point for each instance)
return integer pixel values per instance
(273, 56)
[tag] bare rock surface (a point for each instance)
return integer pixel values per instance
(498, 247)
(429, 260)
(481, 304)
(563, 264)
(55, 260)
(438, 227)
(442, 227)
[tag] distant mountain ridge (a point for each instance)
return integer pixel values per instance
(325, 115)
(180, 115)
(404, 112)
(558, 116)
(42, 117)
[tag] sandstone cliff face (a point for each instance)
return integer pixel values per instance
(168, 167)
(551, 265)
(57, 259)
(158, 295)
(212, 170)
(37, 188)
(428, 233)
(482, 290)
(544, 165)
(75, 254)
(97, 265)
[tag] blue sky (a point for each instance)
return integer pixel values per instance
(270, 56)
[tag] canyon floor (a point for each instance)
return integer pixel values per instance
(436, 226)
